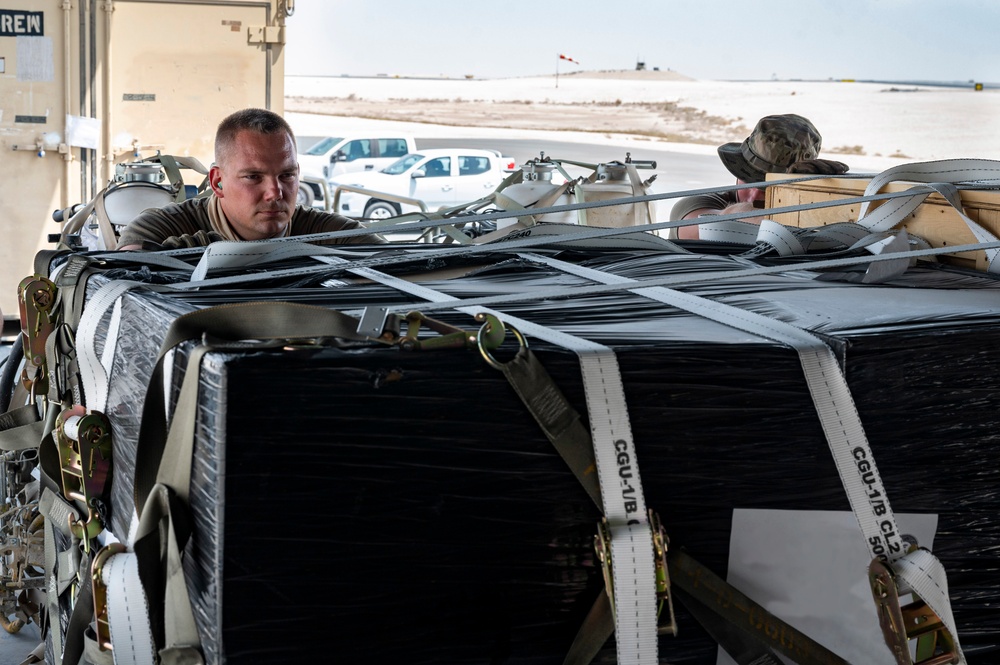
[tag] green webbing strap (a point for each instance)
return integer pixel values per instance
(165, 513)
(557, 418)
(63, 368)
(82, 614)
(236, 321)
(49, 465)
(761, 631)
(175, 469)
(57, 514)
(598, 626)
(71, 287)
(744, 651)
(174, 176)
(43, 260)
(104, 225)
(18, 417)
(21, 428)
(22, 437)
(164, 529)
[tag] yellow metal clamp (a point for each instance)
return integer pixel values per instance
(602, 545)
(489, 336)
(83, 439)
(101, 625)
(914, 621)
(36, 298)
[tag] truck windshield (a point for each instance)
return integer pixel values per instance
(322, 147)
(402, 164)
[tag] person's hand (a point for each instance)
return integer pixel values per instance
(818, 167)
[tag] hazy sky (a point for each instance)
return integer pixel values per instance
(934, 40)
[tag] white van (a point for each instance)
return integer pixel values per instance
(332, 156)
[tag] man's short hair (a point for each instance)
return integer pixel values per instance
(260, 121)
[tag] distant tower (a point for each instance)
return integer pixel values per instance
(639, 65)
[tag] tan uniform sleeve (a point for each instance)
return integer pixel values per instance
(175, 220)
(310, 220)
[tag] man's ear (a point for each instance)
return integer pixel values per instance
(215, 181)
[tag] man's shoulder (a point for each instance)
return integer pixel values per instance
(174, 219)
(181, 209)
(312, 220)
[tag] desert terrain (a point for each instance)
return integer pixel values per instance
(875, 122)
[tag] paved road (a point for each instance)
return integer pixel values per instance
(675, 171)
(15, 648)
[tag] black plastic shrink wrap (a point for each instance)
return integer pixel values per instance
(377, 505)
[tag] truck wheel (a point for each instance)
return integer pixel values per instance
(381, 210)
(305, 196)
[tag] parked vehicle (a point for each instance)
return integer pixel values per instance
(438, 178)
(333, 156)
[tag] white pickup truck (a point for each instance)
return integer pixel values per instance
(437, 178)
(333, 156)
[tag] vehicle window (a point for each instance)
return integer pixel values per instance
(392, 147)
(323, 146)
(436, 168)
(403, 164)
(473, 165)
(358, 149)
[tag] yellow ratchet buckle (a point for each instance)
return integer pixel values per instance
(914, 621)
(83, 439)
(101, 624)
(36, 298)
(667, 625)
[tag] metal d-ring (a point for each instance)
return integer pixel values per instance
(483, 333)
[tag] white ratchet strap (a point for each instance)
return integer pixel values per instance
(941, 176)
(385, 256)
(95, 369)
(624, 502)
(920, 570)
(128, 611)
(236, 254)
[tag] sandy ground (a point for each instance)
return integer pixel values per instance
(864, 120)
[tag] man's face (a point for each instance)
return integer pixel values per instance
(749, 195)
(260, 180)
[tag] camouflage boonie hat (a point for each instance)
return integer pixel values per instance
(777, 142)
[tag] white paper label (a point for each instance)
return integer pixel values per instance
(810, 568)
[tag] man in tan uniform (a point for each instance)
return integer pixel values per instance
(254, 181)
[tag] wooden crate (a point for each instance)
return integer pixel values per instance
(935, 220)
